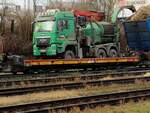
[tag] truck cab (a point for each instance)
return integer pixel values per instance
(54, 34)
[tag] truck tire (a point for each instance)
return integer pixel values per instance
(69, 55)
(101, 54)
(14, 73)
(113, 53)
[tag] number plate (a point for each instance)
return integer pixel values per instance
(43, 50)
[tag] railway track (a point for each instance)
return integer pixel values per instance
(71, 85)
(81, 102)
(105, 72)
(64, 78)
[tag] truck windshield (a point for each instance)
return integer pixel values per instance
(44, 26)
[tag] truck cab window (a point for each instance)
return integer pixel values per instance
(44, 26)
(62, 24)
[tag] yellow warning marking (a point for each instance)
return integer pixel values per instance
(70, 62)
(34, 63)
(57, 62)
(44, 63)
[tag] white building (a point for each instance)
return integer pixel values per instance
(136, 3)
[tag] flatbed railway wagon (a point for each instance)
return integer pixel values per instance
(34, 65)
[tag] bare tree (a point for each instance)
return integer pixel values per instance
(107, 6)
(35, 2)
(3, 14)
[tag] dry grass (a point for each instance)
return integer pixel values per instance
(109, 77)
(147, 74)
(51, 95)
(36, 97)
(131, 107)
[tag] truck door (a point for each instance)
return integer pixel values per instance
(66, 29)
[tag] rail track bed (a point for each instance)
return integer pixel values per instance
(72, 77)
(81, 102)
(71, 85)
(104, 72)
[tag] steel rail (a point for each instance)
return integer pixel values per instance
(71, 85)
(81, 102)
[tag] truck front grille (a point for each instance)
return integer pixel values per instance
(43, 42)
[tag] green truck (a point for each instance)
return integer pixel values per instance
(64, 34)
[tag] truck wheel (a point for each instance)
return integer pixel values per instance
(25, 72)
(113, 53)
(69, 55)
(14, 73)
(101, 54)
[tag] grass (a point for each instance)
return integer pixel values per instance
(52, 95)
(131, 107)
